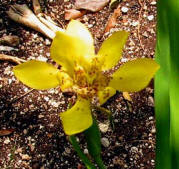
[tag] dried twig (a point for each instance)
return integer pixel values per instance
(11, 59)
(16, 99)
(112, 20)
(6, 132)
(20, 97)
(7, 48)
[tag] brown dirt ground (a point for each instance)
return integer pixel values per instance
(38, 141)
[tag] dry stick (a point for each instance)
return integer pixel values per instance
(22, 14)
(112, 20)
(17, 61)
(138, 28)
(20, 97)
(11, 59)
(16, 99)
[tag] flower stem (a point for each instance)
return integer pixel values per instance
(82, 156)
(99, 162)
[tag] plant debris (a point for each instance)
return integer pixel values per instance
(113, 19)
(91, 5)
(10, 40)
(5, 132)
(73, 14)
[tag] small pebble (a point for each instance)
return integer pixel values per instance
(41, 58)
(25, 157)
(150, 17)
(145, 34)
(124, 59)
(151, 101)
(105, 142)
(86, 151)
(7, 141)
(67, 150)
(19, 150)
(135, 23)
(46, 98)
(153, 130)
(9, 81)
(40, 116)
(25, 131)
(48, 54)
(124, 9)
(90, 25)
(153, 3)
(47, 42)
(134, 149)
(103, 127)
(151, 118)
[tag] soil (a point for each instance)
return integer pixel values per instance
(36, 139)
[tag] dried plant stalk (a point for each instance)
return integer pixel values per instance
(49, 24)
(22, 14)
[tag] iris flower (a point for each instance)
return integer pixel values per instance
(83, 72)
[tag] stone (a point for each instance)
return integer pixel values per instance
(105, 142)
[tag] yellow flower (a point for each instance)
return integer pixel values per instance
(83, 72)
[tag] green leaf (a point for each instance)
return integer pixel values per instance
(173, 18)
(111, 50)
(161, 92)
(93, 139)
(78, 118)
(82, 156)
(63, 50)
(37, 74)
(166, 85)
(134, 75)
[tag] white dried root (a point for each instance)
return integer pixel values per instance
(50, 24)
(22, 14)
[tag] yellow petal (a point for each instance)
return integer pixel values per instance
(37, 74)
(111, 49)
(79, 30)
(134, 75)
(65, 80)
(75, 45)
(63, 50)
(104, 95)
(78, 118)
